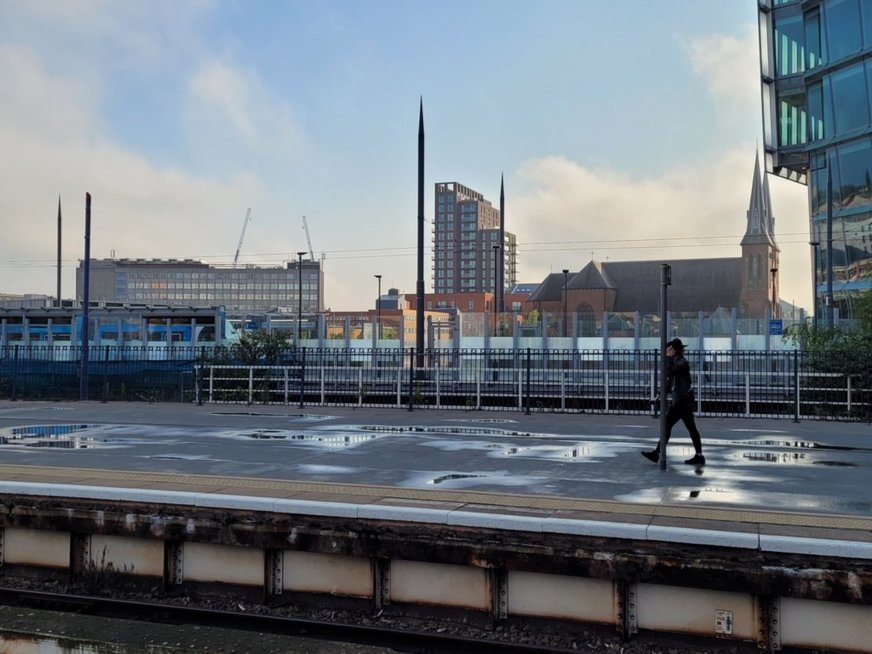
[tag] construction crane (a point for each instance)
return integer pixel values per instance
(242, 235)
(308, 240)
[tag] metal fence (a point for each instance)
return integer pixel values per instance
(737, 384)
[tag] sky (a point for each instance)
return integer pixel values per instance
(625, 130)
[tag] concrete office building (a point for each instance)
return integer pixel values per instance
(816, 70)
(465, 230)
(191, 283)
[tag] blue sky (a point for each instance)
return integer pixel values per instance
(619, 126)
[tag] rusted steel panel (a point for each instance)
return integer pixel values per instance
(632, 561)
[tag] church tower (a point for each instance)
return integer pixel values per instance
(760, 252)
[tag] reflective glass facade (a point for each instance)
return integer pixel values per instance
(816, 68)
(197, 284)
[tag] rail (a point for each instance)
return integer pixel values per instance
(794, 384)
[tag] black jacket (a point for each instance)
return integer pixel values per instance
(678, 380)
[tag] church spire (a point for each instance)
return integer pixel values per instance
(760, 226)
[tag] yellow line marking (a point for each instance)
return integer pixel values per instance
(211, 483)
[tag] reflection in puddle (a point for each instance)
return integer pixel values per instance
(50, 431)
(549, 452)
(439, 480)
(795, 445)
(301, 417)
(65, 437)
(75, 443)
(324, 440)
(13, 643)
(790, 458)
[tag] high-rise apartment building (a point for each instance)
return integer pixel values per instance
(816, 70)
(190, 283)
(466, 242)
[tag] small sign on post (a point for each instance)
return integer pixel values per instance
(776, 327)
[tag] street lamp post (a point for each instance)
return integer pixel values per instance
(378, 311)
(565, 277)
(774, 270)
(299, 295)
(496, 284)
(814, 272)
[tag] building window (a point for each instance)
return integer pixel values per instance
(843, 28)
(789, 49)
(850, 99)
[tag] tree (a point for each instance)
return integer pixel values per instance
(259, 347)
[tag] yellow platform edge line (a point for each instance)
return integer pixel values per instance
(211, 483)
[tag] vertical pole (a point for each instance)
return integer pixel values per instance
(302, 377)
(299, 296)
(815, 245)
(565, 278)
(501, 284)
(419, 303)
(527, 391)
(411, 378)
(58, 300)
(496, 286)
(86, 298)
(829, 297)
(665, 280)
(796, 408)
(378, 311)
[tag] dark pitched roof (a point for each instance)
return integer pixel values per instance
(697, 284)
(551, 288)
(592, 276)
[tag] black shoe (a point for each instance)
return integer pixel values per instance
(696, 460)
(653, 455)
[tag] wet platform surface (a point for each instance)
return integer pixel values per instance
(809, 467)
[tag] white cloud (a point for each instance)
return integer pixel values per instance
(228, 109)
(730, 68)
(52, 134)
(565, 211)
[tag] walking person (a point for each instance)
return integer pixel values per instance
(680, 384)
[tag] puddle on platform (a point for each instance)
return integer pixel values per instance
(453, 477)
(484, 420)
(300, 417)
(51, 431)
(790, 458)
(67, 437)
(323, 440)
(466, 431)
(795, 445)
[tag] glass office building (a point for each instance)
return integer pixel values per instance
(816, 70)
(190, 283)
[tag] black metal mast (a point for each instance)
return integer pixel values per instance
(501, 307)
(58, 297)
(419, 305)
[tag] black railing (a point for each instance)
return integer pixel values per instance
(785, 384)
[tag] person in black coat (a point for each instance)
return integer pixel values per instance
(680, 384)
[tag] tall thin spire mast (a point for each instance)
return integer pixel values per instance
(501, 282)
(58, 296)
(419, 305)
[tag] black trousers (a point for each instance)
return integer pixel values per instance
(684, 412)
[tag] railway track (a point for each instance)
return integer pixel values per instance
(401, 640)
